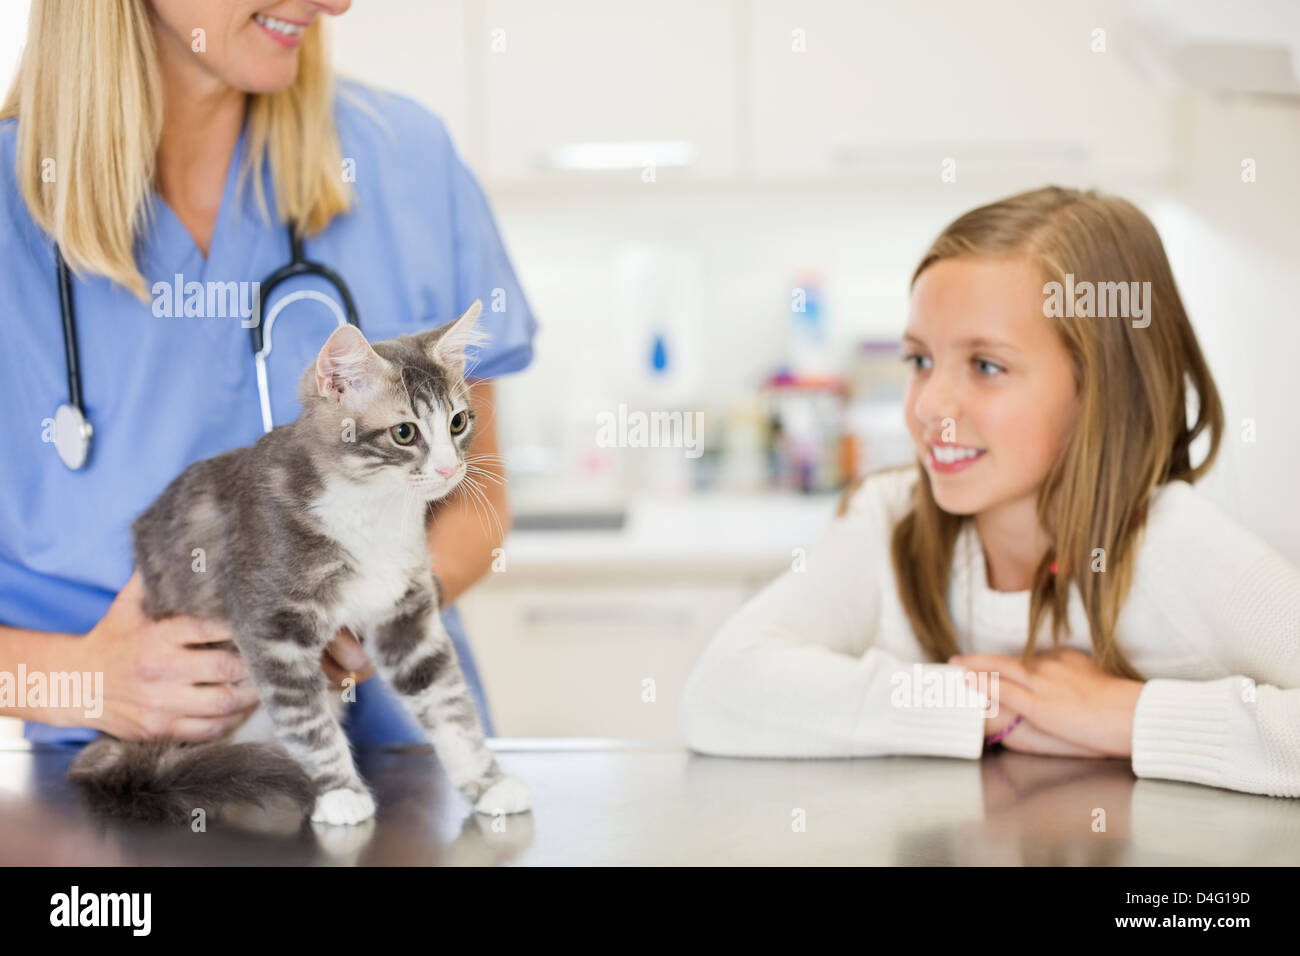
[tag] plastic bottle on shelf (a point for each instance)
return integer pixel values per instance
(810, 354)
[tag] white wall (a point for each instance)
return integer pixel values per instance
(1235, 248)
(13, 31)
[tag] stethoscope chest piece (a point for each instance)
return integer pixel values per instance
(71, 436)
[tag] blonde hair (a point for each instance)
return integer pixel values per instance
(1130, 436)
(88, 97)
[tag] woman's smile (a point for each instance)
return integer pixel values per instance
(287, 33)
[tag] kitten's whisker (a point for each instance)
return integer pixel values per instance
(484, 473)
(492, 512)
(481, 497)
(495, 473)
(478, 508)
(466, 492)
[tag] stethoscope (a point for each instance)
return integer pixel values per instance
(72, 430)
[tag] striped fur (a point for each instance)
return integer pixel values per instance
(320, 525)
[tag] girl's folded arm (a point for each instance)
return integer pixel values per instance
(794, 674)
(1240, 732)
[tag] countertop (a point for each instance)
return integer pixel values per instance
(698, 536)
(625, 802)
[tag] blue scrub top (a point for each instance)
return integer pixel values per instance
(164, 391)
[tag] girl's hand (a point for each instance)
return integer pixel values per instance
(1066, 695)
(346, 658)
(1025, 737)
(159, 678)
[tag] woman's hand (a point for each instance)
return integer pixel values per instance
(1065, 695)
(346, 658)
(159, 678)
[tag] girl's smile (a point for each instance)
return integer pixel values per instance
(952, 459)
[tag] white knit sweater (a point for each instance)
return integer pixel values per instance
(808, 667)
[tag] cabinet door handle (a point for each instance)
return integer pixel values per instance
(620, 615)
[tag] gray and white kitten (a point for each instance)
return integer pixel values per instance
(320, 524)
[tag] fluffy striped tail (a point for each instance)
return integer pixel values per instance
(163, 781)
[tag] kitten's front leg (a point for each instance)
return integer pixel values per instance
(414, 653)
(284, 662)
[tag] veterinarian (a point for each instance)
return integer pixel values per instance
(166, 147)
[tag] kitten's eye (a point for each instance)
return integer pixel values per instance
(458, 422)
(404, 434)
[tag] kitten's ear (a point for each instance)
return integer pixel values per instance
(446, 345)
(348, 370)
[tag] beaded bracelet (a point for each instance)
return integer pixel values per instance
(1006, 730)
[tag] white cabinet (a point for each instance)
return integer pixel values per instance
(574, 623)
(413, 47)
(593, 71)
(892, 89)
(583, 660)
(777, 90)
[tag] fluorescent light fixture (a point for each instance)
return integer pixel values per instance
(627, 155)
(927, 154)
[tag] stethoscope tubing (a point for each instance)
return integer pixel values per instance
(298, 266)
(71, 354)
(260, 334)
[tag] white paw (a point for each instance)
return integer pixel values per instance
(507, 795)
(344, 844)
(343, 807)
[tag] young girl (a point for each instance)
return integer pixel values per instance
(1054, 479)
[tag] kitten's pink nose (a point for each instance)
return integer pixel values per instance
(446, 472)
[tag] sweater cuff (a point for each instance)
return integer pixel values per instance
(950, 730)
(1180, 730)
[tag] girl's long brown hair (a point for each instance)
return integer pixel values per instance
(1131, 434)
